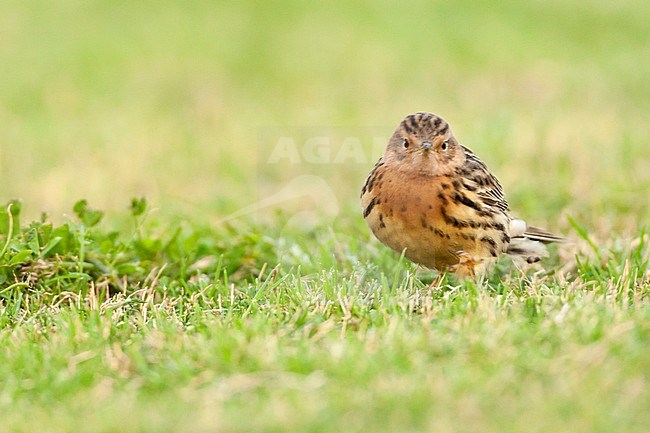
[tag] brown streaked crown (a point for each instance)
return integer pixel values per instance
(425, 124)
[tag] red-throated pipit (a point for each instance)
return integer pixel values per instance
(433, 199)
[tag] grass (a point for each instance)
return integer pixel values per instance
(179, 329)
(184, 313)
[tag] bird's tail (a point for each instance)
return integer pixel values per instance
(528, 243)
(541, 235)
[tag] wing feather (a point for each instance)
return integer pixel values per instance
(485, 185)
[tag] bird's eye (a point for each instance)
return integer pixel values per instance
(405, 143)
(444, 145)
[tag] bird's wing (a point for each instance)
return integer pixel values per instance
(477, 178)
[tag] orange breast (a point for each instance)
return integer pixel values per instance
(413, 215)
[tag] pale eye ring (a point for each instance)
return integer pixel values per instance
(444, 145)
(405, 143)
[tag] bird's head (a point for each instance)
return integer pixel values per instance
(424, 143)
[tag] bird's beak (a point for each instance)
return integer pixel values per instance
(426, 145)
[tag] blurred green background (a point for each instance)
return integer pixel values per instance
(107, 100)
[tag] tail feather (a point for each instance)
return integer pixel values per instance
(527, 242)
(537, 234)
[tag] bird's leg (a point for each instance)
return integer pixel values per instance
(466, 266)
(435, 284)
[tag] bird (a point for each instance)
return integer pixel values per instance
(432, 199)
